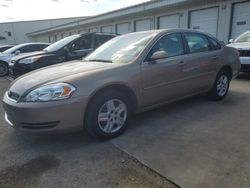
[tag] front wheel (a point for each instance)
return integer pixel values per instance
(221, 86)
(3, 69)
(108, 114)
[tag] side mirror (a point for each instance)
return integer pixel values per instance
(17, 52)
(158, 55)
(231, 40)
(66, 49)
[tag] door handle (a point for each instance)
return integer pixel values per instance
(214, 57)
(182, 63)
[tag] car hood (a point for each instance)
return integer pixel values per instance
(26, 55)
(6, 57)
(240, 45)
(53, 73)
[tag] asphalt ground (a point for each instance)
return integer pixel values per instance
(68, 160)
(192, 143)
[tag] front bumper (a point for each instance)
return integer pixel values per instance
(16, 70)
(56, 116)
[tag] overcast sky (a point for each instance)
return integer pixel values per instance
(19, 10)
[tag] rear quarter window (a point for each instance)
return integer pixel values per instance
(215, 45)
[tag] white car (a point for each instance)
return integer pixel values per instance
(242, 43)
(5, 57)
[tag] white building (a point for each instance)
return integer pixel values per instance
(224, 19)
(15, 32)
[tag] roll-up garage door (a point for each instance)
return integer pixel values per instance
(107, 29)
(143, 25)
(94, 29)
(205, 20)
(241, 19)
(122, 28)
(172, 21)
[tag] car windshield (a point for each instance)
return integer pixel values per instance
(122, 49)
(61, 43)
(13, 49)
(245, 37)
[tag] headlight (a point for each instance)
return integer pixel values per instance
(28, 60)
(50, 92)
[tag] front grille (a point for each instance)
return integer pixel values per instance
(244, 53)
(245, 68)
(13, 96)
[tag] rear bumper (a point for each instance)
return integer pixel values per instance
(57, 116)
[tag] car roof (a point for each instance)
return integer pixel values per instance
(32, 43)
(99, 33)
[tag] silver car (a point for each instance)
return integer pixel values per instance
(5, 57)
(242, 44)
(128, 74)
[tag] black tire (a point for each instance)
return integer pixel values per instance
(219, 94)
(96, 104)
(4, 69)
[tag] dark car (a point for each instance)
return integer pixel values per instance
(5, 47)
(70, 48)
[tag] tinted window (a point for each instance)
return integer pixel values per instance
(61, 43)
(42, 46)
(171, 44)
(82, 43)
(100, 39)
(29, 48)
(215, 45)
(197, 42)
(4, 48)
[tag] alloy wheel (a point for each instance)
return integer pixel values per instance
(112, 116)
(3, 69)
(222, 85)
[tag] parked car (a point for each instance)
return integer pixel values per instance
(242, 43)
(5, 57)
(5, 47)
(128, 74)
(69, 48)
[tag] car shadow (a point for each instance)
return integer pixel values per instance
(244, 76)
(57, 141)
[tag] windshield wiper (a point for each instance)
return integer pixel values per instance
(100, 60)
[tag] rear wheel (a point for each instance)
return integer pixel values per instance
(3, 69)
(221, 85)
(107, 114)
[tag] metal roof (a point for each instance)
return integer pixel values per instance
(150, 5)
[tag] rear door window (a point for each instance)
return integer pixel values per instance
(197, 42)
